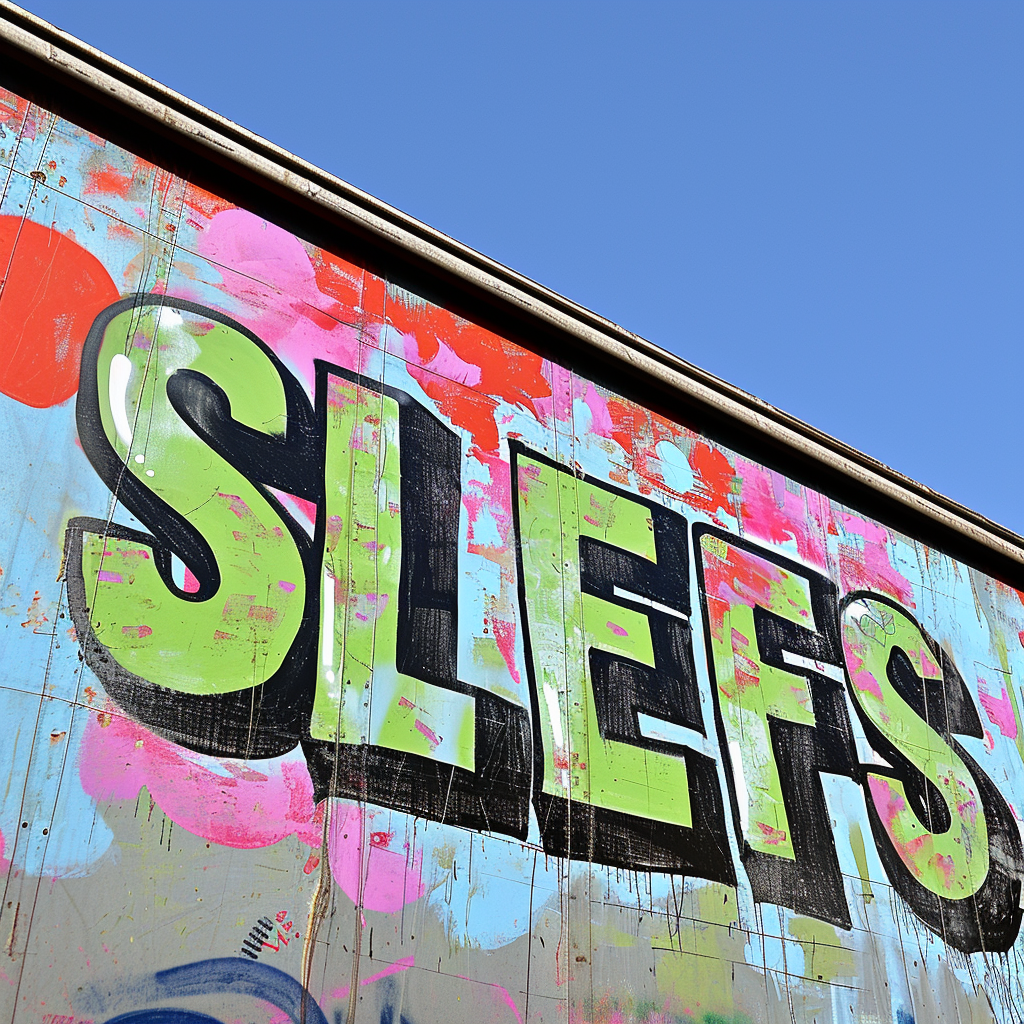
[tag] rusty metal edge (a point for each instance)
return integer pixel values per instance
(88, 67)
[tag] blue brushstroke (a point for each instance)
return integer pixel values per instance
(163, 1016)
(225, 975)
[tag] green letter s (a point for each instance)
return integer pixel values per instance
(944, 833)
(192, 628)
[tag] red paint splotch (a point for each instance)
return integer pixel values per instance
(734, 577)
(52, 292)
(109, 181)
(714, 475)
(467, 408)
(199, 202)
(505, 638)
(19, 114)
(639, 431)
(466, 369)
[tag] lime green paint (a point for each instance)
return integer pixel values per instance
(610, 935)
(239, 637)
(998, 641)
(825, 957)
(555, 511)
(360, 695)
(860, 858)
(703, 967)
(955, 863)
(749, 690)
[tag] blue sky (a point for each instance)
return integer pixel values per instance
(821, 202)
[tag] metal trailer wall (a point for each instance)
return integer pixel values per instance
(386, 639)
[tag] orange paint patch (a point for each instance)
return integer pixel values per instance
(118, 229)
(108, 181)
(503, 371)
(53, 291)
(715, 475)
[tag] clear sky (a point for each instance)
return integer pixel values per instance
(820, 201)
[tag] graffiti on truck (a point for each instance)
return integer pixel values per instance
(193, 422)
(360, 660)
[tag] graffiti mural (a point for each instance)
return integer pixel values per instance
(362, 664)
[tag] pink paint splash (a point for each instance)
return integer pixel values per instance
(890, 803)
(241, 808)
(505, 638)
(861, 677)
(447, 363)
(428, 732)
(398, 966)
(501, 994)
(494, 496)
(944, 865)
(567, 389)
(233, 804)
(390, 880)
(869, 568)
(928, 666)
(191, 584)
(770, 511)
(742, 578)
(564, 388)
(302, 511)
(600, 420)
(272, 276)
(771, 834)
(999, 709)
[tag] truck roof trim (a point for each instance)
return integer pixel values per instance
(88, 70)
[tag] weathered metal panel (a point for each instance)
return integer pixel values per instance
(363, 662)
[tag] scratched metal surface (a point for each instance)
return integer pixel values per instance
(359, 664)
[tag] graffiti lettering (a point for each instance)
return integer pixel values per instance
(775, 664)
(418, 739)
(232, 630)
(190, 420)
(945, 834)
(605, 585)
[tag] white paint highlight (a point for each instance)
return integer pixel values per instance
(117, 395)
(327, 626)
(628, 595)
(555, 714)
(740, 782)
(170, 317)
(823, 668)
